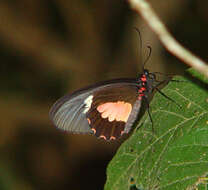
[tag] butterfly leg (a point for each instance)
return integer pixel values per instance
(168, 97)
(148, 111)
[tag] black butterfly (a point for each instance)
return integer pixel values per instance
(107, 109)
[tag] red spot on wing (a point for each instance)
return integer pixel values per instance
(103, 137)
(112, 138)
(94, 130)
(115, 111)
(108, 130)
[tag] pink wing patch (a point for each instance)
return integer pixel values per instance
(115, 111)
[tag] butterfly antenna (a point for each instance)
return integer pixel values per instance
(140, 48)
(150, 52)
(164, 74)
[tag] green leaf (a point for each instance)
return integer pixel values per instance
(175, 156)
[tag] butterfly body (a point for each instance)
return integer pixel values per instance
(107, 109)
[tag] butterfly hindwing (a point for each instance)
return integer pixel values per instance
(112, 109)
(83, 110)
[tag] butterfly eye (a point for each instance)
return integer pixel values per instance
(146, 72)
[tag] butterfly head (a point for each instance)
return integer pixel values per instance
(147, 77)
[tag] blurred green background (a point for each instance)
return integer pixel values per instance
(51, 47)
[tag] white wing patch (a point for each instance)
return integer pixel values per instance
(88, 102)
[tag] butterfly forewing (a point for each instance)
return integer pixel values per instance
(67, 114)
(107, 109)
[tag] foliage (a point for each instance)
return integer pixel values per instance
(175, 155)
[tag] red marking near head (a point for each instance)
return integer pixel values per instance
(103, 137)
(142, 89)
(112, 138)
(93, 129)
(140, 96)
(143, 79)
(115, 111)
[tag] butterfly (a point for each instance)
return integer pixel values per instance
(107, 109)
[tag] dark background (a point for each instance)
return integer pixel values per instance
(51, 47)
